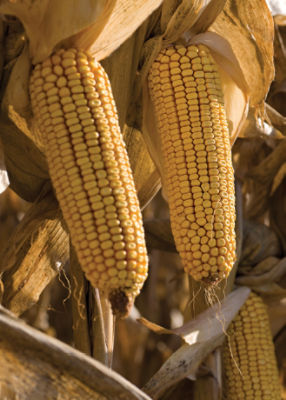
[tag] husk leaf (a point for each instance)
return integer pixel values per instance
(250, 32)
(125, 18)
(48, 22)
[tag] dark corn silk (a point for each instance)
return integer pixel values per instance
(72, 101)
(185, 89)
(250, 367)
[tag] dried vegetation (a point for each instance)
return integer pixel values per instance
(40, 279)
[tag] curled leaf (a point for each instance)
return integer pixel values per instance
(270, 270)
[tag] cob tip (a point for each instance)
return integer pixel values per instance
(121, 303)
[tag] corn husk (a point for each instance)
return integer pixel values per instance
(241, 25)
(88, 25)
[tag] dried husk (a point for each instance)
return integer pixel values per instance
(201, 336)
(250, 31)
(48, 22)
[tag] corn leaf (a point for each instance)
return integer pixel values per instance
(70, 374)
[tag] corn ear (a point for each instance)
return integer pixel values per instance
(249, 361)
(73, 104)
(185, 89)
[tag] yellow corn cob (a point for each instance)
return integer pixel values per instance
(248, 356)
(185, 89)
(72, 101)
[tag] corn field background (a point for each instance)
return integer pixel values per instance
(175, 324)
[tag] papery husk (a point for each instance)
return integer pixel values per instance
(250, 31)
(126, 17)
(4, 179)
(234, 87)
(49, 22)
(201, 336)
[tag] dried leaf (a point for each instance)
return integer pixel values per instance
(281, 174)
(35, 253)
(278, 120)
(201, 337)
(256, 127)
(4, 179)
(69, 373)
(48, 22)
(279, 57)
(259, 243)
(280, 20)
(87, 25)
(26, 165)
(16, 92)
(159, 235)
(270, 270)
(262, 177)
(125, 18)
(277, 312)
(146, 177)
(278, 96)
(277, 212)
(249, 30)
